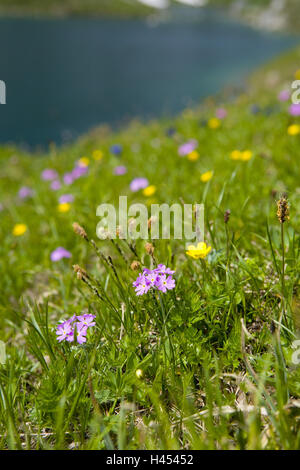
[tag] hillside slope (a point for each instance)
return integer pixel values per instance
(209, 363)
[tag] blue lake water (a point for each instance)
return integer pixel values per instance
(64, 76)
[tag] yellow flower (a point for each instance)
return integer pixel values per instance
(294, 129)
(97, 155)
(235, 155)
(199, 251)
(246, 155)
(193, 156)
(297, 74)
(84, 161)
(64, 207)
(19, 229)
(149, 191)
(214, 123)
(242, 156)
(205, 177)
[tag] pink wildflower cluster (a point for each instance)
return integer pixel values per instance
(81, 323)
(159, 278)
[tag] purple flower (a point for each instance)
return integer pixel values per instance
(221, 113)
(49, 175)
(138, 183)
(116, 149)
(142, 285)
(55, 185)
(152, 277)
(68, 178)
(63, 331)
(25, 192)
(79, 171)
(86, 320)
(284, 95)
(66, 198)
(187, 148)
(80, 323)
(80, 334)
(294, 110)
(120, 170)
(161, 269)
(165, 283)
(155, 278)
(59, 254)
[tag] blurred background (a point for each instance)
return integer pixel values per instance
(74, 64)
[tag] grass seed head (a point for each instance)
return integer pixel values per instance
(149, 248)
(135, 265)
(227, 216)
(79, 271)
(80, 231)
(283, 210)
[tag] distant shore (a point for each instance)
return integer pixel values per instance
(268, 15)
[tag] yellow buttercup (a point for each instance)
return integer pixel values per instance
(198, 252)
(64, 207)
(193, 156)
(19, 229)
(150, 190)
(205, 177)
(294, 129)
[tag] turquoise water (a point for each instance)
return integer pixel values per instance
(64, 76)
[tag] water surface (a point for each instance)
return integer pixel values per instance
(64, 76)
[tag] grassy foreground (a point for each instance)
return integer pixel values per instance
(207, 365)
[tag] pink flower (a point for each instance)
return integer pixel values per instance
(49, 174)
(86, 320)
(66, 199)
(79, 324)
(221, 113)
(138, 183)
(120, 170)
(294, 110)
(64, 330)
(68, 178)
(155, 278)
(165, 283)
(59, 254)
(142, 285)
(25, 192)
(161, 269)
(79, 171)
(80, 336)
(55, 185)
(284, 95)
(187, 148)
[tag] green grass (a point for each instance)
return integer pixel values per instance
(208, 382)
